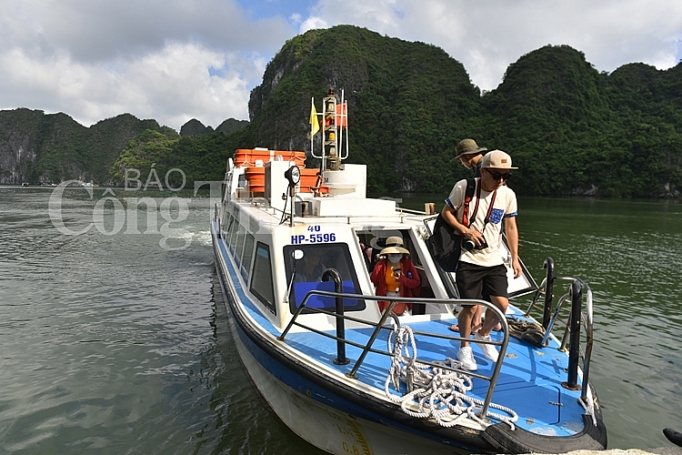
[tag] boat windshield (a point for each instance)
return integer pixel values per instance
(307, 264)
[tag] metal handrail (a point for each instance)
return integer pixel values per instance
(579, 316)
(380, 325)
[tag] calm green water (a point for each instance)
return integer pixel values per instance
(116, 343)
(631, 255)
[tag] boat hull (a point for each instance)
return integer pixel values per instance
(296, 260)
(323, 426)
(298, 399)
(339, 419)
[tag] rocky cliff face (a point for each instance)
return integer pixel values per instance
(18, 151)
(16, 156)
(405, 102)
(39, 148)
(570, 129)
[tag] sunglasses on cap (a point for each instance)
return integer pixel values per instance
(498, 175)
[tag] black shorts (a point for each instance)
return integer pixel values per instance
(475, 281)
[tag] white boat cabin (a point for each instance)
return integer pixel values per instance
(331, 230)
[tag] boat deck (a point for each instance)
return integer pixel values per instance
(529, 382)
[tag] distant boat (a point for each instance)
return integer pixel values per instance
(352, 379)
(89, 184)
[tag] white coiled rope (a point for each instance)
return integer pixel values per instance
(437, 393)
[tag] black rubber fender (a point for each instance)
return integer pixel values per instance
(673, 436)
(519, 440)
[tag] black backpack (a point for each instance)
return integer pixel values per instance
(445, 244)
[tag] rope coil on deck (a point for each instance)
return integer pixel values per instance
(529, 331)
(440, 393)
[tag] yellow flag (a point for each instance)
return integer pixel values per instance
(314, 123)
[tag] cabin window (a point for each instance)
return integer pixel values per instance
(227, 218)
(231, 237)
(307, 272)
(227, 225)
(248, 255)
(372, 242)
(239, 244)
(261, 280)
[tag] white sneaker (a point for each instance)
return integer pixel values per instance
(489, 350)
(466, 358)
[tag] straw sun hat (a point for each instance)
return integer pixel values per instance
(394, 245)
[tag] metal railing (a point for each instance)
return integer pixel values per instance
(578, 293)
(380, 325)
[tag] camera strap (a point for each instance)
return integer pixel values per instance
(486, 220)
(471, 185)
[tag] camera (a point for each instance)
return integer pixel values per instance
(469, 245)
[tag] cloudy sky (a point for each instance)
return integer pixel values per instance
(174, 60)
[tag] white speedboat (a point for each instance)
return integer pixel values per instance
(291, 253)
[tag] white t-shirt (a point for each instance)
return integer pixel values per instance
(504, 207)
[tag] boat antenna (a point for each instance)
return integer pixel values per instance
(331, 140)
(334, 121)
(342, 120)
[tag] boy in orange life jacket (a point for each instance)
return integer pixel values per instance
(395, 275)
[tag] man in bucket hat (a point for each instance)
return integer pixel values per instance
(481, 270)
(469, 154)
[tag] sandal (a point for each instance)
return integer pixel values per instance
(474, 329)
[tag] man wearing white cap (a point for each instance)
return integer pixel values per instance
(481, 270)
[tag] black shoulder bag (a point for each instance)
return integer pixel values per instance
(445, 243)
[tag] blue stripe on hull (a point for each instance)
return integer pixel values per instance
(307, 387)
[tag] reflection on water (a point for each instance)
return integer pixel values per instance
(101, 335)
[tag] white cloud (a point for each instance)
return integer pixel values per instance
(487, 36)
(172, 85)
(94, 60)
(174, 60)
